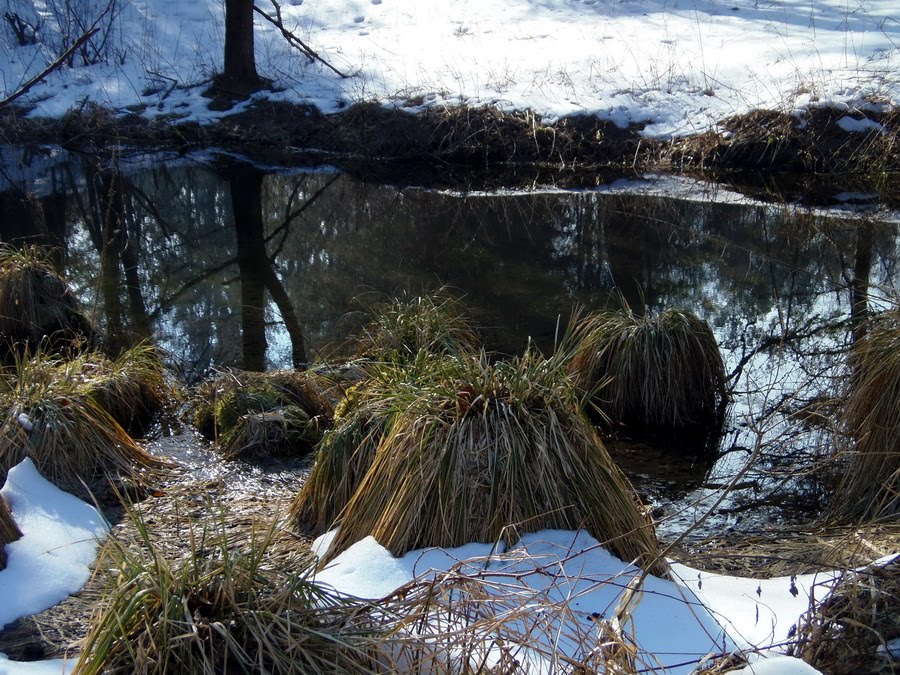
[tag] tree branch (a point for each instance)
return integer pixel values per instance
(21, 91)
(292, 39)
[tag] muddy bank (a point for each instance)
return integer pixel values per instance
(822, 152)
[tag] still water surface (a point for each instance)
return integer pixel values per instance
(228, 265)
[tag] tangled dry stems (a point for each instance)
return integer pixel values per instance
(848, 631)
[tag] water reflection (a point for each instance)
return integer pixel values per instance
(227, 265)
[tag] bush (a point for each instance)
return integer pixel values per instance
(870, 485)
(250, 413)
(660, 371)
(471, 451)
(36, 303)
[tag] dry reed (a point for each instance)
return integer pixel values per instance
(226, 606)
(870, 485)
(658, 371)
(9, 532)
(476, 448)
(68, 435)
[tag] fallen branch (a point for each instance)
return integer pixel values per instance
(292, 39)
(21, 91)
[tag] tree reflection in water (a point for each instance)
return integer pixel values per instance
(234, 266)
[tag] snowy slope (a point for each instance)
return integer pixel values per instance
(678, 65)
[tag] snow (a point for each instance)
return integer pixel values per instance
(52, 559)
(776, 665)
(675, 624)
(677, 65)
(48, 667)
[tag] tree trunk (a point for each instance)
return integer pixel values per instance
(240, 63)
(246, 205)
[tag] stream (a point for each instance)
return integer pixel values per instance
(170, 248)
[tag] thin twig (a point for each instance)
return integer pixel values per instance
(293, 40)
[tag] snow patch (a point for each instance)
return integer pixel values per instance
(60, 535)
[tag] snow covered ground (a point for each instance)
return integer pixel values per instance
(675, 624)
(678, 65)
(52, 560)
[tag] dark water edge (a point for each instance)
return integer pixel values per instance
(223, 262)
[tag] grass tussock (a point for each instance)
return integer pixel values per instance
(471, 451)
(402, 327)
(258, 414)
(9, 531)
(870, 485)
(55, 420)
(661, 371)
(226, 607)
(132, 388)
(361, 420)
(848, 631)
(36, 304)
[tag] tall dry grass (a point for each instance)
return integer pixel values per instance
(132, 388)
(870, 485)
(849, 625)
(9, 531)
(227, 606)
(650, 371)
(56, 422)
(474, 451)
(361, 420)
(404, 326)
(36, 303)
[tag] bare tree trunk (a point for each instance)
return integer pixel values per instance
(257, 273)
(240, 74)
(246, 205)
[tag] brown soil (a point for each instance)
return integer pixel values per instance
(484, 146)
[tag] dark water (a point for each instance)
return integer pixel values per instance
(223, 264)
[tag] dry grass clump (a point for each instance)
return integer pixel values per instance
(35, 302)
(226, 607)
(9, 532)
(71, 438)
(256, 414)
(848, 631)
(132, 388)
(471, 449)
(361, 420)
(870, 485)
(661, 371)
(404, 326)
